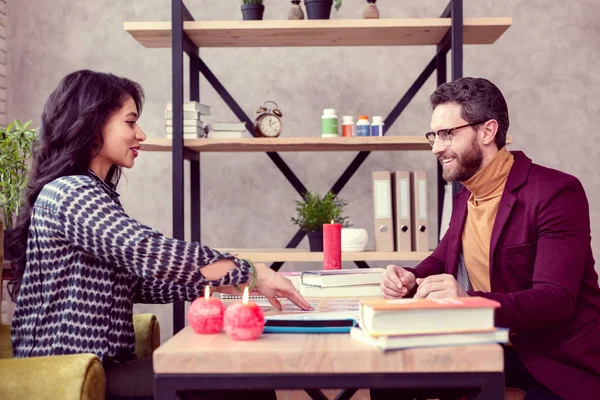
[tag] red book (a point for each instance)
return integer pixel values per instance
(417, 316)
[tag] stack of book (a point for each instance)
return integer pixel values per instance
(341, 283)
(405, 323)
(192, 124)
(225, 130)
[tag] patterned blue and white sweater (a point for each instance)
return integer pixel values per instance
(87, 264)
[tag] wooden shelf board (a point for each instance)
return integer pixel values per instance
(367, 143)
(355, 143)
(291, 255)
(341, 32)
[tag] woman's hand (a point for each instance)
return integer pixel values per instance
(271, 284)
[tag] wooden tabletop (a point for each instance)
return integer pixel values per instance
(191, 353)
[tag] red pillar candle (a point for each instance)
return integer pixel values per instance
(205, 314)
(245, 320)
(332, 246)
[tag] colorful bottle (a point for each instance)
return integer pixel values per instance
(348, 125)
(363, 128)
(377, 126)
(329, 123)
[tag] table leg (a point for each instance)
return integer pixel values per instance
(346, 394)
(316, 394)
(165, 388)
(493, 388)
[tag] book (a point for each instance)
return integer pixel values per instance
(294, 277)
(341, 291)
(418, 316)
(225, 134)
(396, 342)
(226, 126)
(185, 136)
(342, 325)
(186, 129)
(186, 115)
(186, 122)
(342, 277)
(190, 106)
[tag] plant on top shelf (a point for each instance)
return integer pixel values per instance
(320, 9)
(313, 211)
(252, 9)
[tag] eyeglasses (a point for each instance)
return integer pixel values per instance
(446, 135)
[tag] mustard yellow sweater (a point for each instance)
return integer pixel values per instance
(486, 188)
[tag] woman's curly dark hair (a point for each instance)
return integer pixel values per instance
(70, 136)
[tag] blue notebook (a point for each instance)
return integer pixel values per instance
(309, 326)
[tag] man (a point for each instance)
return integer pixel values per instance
(519, 234)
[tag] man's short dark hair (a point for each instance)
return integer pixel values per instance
(480, 99)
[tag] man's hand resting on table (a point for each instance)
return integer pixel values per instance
(397, 282)
(439, 286)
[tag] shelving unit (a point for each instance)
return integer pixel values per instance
(184, 35)
(293, 255)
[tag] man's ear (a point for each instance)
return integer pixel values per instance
(490, 128)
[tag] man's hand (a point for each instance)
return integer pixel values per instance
(397, 282)
(438, 286)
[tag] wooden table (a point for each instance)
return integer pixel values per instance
(189, 361)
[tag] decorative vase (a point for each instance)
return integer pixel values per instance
(318, 9)
(354, 239)
(252, 12)
(315, 241)
(371, 11)
(295, 11)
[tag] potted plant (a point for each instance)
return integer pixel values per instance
(313, 211)
(320, 9)
(252, 9)
(16, 143)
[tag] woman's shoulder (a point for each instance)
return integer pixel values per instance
(62, 188)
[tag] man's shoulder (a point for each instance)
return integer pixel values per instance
(551, 178)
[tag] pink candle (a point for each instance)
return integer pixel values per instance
(244, 321)
(206, 314)
(332, 246)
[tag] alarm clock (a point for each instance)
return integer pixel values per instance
(268, 123)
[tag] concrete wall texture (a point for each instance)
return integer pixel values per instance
(546, 64)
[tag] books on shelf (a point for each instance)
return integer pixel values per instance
(186, 122)
(194, 106)
(186, 130)
(225, 135)
(186, 136)
(186, 115)
(418, 316)
(226, 126)
(342, 277)
(341, 291)
(397, 342)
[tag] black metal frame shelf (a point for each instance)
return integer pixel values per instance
(181, 44)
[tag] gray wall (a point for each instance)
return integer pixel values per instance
(546, 65)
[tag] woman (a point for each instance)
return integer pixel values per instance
(81, 261)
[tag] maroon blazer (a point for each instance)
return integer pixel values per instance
(542, 273)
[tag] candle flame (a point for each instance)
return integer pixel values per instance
(245, 296)
(332, 222)
(207, 292)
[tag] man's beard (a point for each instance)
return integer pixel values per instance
(467, 164)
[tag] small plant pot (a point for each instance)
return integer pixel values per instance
(252, 12)
(315, 241)
(318, 9)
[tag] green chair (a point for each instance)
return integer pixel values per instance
(68, 377)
